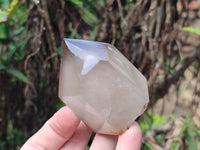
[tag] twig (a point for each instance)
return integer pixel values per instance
(48, 58)
(123, 22)
(163, 87)
(114, 34)
(154, 75)
(38, 47)
(49, 27)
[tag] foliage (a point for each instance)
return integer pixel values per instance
(87, 9)
(13, 41)
(192, 30)
(188, 130)
(11, 21)
(151, 120)
(7, 14)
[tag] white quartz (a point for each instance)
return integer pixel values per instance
(101, 86)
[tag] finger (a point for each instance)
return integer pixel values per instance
(104, 142)
(80, 138)
(55, 132)
(131, 139)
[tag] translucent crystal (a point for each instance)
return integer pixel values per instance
(101, 86)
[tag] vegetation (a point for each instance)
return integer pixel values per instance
(151, 34)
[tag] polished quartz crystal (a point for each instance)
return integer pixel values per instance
(101, 86)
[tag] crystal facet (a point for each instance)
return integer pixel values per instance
(101, 86)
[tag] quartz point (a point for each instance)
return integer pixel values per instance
(101, 86)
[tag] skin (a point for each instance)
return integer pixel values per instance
(64, 131)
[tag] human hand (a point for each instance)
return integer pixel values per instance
(65, 131)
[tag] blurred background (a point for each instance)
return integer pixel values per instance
(160, 37)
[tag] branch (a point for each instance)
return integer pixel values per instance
(162, 89)
(123, 22)
(49, 27)
(38, 45)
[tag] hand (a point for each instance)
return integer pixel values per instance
(65, 131)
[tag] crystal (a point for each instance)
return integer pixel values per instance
(101, 86)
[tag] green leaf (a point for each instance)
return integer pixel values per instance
(19, 75)
(6, 14)
(158, 120)
(175, 146)
(23, 18)
(93, 34)
(11, 51)
(77, 3)
(4, 4)
(148, 146)
(4, 61)
(192, 143)
(12, 8)
(59, 51)
(101, 2)
(2, 67)
(192, 30)
(3, 33)
(186, 123)
(146, 123)
(194, 129)
(89, 18)
(74, 34)
(184, 128)
(59, 105)
(19, 31)
(20, 15)
(21, 47)
(3, 16)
